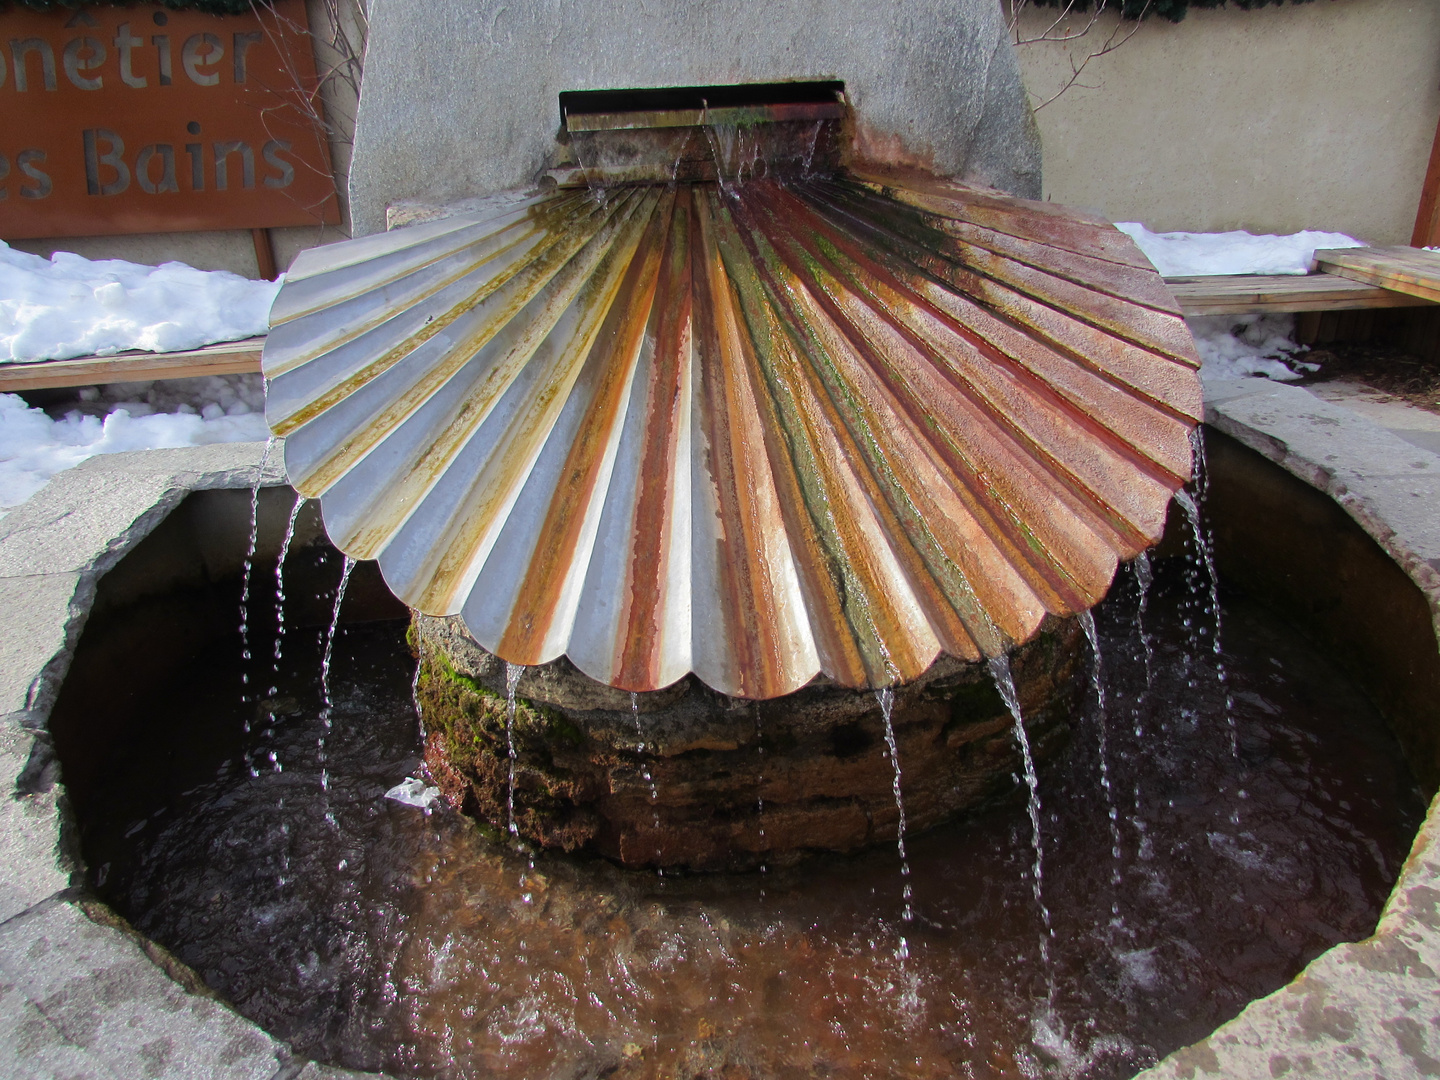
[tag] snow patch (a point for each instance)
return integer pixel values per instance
(1234, 346)
(127, 416)
(53, 309)
(1183, 254)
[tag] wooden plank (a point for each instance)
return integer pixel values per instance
(226, 358)
(1403, 269)
(1278, 293)
(264, 253)
(1427, 217)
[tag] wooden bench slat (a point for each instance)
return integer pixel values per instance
(1413, 271)
(225, 358)
(1278, 293)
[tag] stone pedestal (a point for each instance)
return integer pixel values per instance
(686, 777)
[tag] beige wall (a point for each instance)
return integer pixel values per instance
(234, 250)
(1316, 116)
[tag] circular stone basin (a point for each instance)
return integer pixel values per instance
(254, 841)
(688, 777)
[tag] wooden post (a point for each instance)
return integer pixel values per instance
(1427, 221)
(264, 253)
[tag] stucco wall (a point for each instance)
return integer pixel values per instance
(1319, 115)
(460, 96)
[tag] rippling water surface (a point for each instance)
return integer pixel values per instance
(372, 935)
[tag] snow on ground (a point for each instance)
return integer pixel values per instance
(52, 309)
(1234, 346)
(125, 416)
(1182, 254)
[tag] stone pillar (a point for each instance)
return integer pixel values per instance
(687, 777)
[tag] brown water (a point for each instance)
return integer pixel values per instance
(372, 935)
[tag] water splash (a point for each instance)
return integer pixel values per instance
(280, 596)
(513, 672)
(327, 703)
(249, 565)
(1005, 684)
(886, 697)
(1097, 683)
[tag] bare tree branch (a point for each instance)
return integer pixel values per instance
(1054, 34)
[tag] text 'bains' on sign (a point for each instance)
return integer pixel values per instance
(143, 119)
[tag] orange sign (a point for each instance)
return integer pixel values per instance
(142, 119)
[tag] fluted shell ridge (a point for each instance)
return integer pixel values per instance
(756, 432)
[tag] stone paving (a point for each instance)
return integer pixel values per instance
(1415, 426)
(82, 996)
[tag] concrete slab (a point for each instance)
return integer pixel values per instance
(101, 994)
(1415, 425)
(32, 1048)
(1405, 505)
(1218, 390)
(40, 615)
(89, 516)
(1331, 438)
(313, 1070)
(35, 868)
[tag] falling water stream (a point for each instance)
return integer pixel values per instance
(760, 796)
(1097, 683)
(513, 673)
(1205, 548)
(279, 649)
(327, 702)
(886, 697)
(249, 565)
(1005, 683)
(1144, 579)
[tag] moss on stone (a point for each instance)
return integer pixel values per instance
(468, 720)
